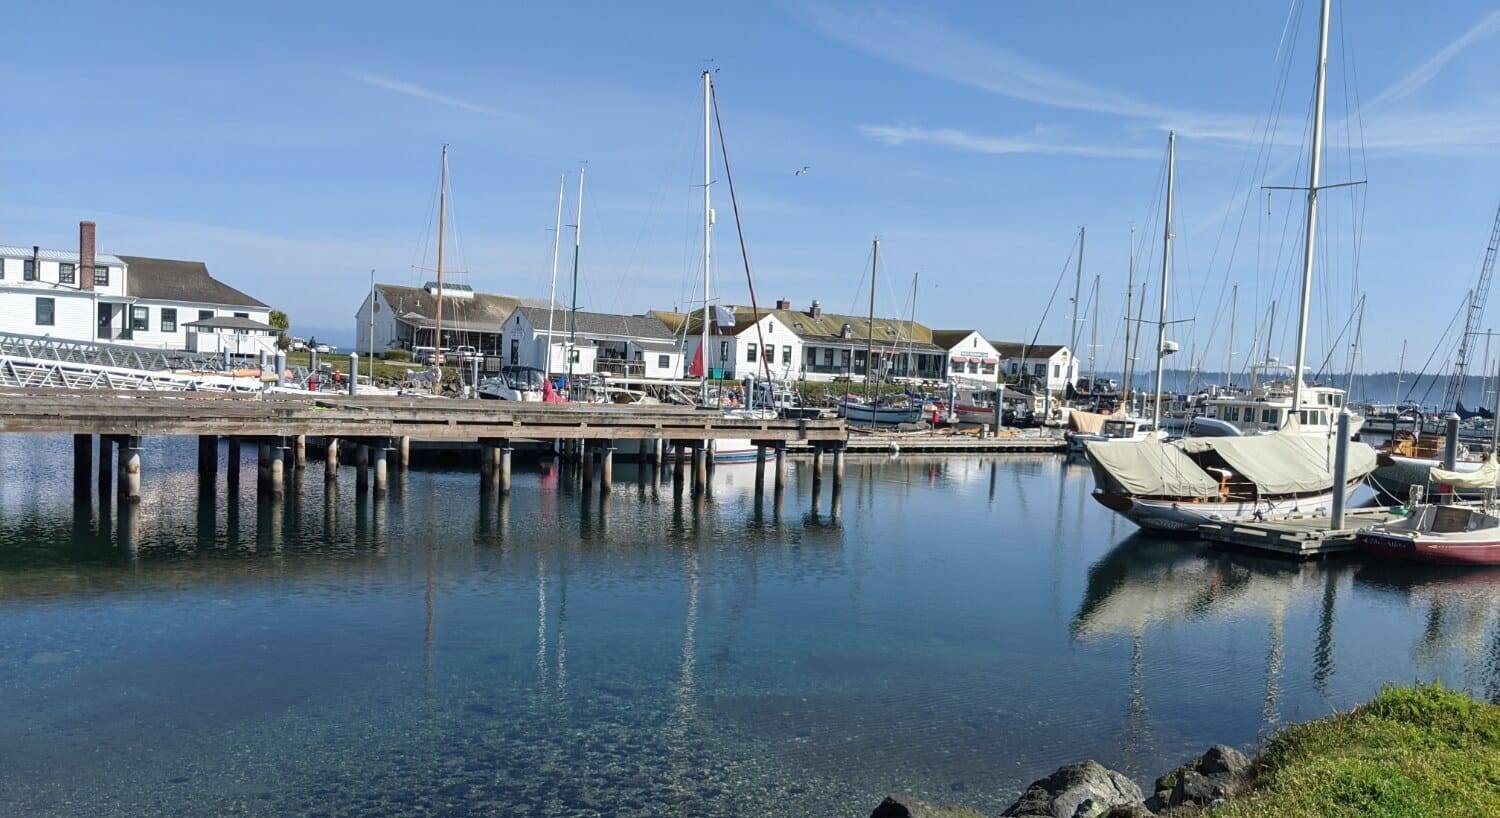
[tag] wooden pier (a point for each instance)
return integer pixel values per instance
(375, 433)
(1300, 536)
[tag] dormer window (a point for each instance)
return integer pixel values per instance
(101, 275)
(65, 273)
(28, 270)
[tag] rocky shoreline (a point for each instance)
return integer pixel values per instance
(1088, 789)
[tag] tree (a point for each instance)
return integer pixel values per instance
(281, 322)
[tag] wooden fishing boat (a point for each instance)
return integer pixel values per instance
(1449, 534)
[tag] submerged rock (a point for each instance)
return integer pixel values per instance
(1083, 790)
(901, 806)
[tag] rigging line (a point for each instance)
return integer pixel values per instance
(1333, 347)
(1041, 322)
(739, 227)
(424, 238)
(1423, 372)
(1443, 371)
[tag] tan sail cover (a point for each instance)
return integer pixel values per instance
(1485, 477)
(1284, 462)
(1148, 468)
(1086, 422)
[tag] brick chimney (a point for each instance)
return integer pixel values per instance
(783, 304)
(85, 255)
(816, 310)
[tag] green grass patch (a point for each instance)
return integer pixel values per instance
(386, 372)
(1413, 751)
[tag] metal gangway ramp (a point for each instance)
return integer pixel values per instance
(44, 361)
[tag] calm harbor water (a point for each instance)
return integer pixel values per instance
(953, 628)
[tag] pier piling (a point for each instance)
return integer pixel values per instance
(299, 451)
(130, 469)
(377, 455)
(403, 451)
(838, 467)
(106, 468)
(276, 471)
(607, 468)
(232, 468)
(817, 465)
(505, 453)
(330, 459)
(780, 467)
(83, 467)
(760, 465)
(361, 466)
(700, 467)
(208, 458)
(678, 466)
(588, 466)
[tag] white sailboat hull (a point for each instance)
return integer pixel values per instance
(1185, 517)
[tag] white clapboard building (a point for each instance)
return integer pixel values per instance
(83, 295)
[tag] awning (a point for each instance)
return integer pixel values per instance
(1286, 462)
(1148, 468)
(663, 345)
(231, 322)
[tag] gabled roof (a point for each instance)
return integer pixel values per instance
(483, 312)
(599, 323)
(1012, 349)
(950, 338)
(826, 328)
(172, 280)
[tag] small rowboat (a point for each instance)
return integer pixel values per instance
(1457, 534)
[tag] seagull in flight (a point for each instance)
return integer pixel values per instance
(802, 171)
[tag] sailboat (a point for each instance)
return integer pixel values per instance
(870, 410)
(1180, 485)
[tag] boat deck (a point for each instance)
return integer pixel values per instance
(1300, 536)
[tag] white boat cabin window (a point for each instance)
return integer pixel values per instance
(1270, 416)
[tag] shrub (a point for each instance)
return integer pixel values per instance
(401, 355)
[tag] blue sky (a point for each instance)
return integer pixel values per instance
(294, 146)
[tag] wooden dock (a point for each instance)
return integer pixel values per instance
(948, 444)
(1300, 536)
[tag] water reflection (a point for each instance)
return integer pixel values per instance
(951, 628)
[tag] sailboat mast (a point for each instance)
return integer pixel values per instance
(573, 310)
(870, 336)
(1166, 278)
(1234, 304)
(1129, 299)
(437, 341)
(1315, 167)
(1094, 338)
(708, 229)
(911, 327)
(1401, 372)
(552, 299)
(1077, 291)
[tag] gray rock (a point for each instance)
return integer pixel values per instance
(902, 806)
(1061, 794)
(1223, 760)
(1194, 787)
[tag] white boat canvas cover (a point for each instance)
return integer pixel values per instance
(1148, 468)
(1285, 462)
(1485, 477)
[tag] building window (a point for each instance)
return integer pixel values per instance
(28, 270)
(101, 275)
(515, 351)
(1040, 370)
(2, 269)
(46, 312)
(1056, 371)
(723, 351)
(770, 327)
(664, 362)
(242, 315)
(786, 355)
(750, 353)
(168, 319)
(65, 274)
(812, 356)
(204, 315)
(828, 357)
(140, 319)
(770, 354)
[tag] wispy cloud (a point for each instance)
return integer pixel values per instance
(412, 89)
(934, 48)
(1423, 74)
(1039, 141)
